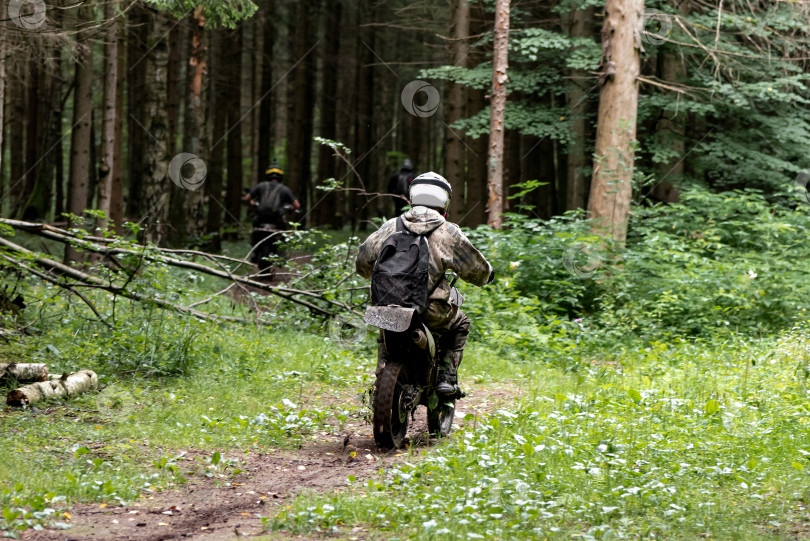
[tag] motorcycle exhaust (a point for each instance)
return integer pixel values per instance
(419, 338)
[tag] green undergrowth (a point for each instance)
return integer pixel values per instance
(681, 441)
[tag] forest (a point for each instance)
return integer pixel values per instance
(177, 364)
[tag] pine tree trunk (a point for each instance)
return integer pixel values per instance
(455, 108)
(233, 193)
(117, 187)
(365, 113)
(195, 133)
(110, 107)
(213, 185)
(2, 114)
(266, 26)
(670, 130)
(137, 29)
(611, 187)
(302, 94)
(80, 140)
(156, 152)
(576, 189)
(327, 201)
(16, 145)
(496, 122)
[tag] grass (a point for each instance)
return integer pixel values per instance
(684, 441)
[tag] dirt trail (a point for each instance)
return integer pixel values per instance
(209, 509)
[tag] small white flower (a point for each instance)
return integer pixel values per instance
(752, 274)
(513, 265)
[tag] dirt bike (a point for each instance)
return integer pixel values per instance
(410, 375)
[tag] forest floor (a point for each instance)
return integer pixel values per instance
(209, 508)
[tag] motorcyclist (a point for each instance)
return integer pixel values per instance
(430, 195)
(399, 184)
(269, 201)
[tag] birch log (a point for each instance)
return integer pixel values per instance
(24, 372)
(72, 385)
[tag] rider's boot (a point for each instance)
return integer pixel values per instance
(448, 375)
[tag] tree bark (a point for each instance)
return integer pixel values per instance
(117, 187)
(109, 120)
(576, 189)
(80, 140)
(671, 127)
(195, 133)
(455, 108)
(23, 372)
(71, 385)
(496, 121)
(233, 193)
(156, 153)
(137, 32)
(611, 187)
(327, 201)
(213, 185)
(265, 74)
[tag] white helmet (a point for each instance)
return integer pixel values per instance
(430, 190)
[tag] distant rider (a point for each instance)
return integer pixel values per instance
(269, 200)
(399, 184)
(450, 249)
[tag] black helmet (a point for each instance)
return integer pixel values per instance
(407, 165)
(274, 172)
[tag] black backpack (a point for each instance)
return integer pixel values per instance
(269, 209)
(400, 275)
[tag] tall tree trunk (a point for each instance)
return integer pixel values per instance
(195, 133)
(498, 107)
(576, 189)
(670, 130)
(80, 140)
(365, 112)
(2, 114)
(108, 124)
(266, 27)
(213, 185)
(455, 106)
(233, 193)
(611, 187)
(302, 92)
(156, 152)
(117, 188)
(17, 130)
(33, 133)
(327, 201)
(137, 29)
(173, 87)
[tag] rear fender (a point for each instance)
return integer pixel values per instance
(390, 318)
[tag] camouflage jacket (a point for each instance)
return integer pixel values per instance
(449, 250)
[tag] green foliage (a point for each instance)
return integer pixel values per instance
(225, 13)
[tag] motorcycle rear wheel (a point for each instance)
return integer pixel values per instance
(440, 420)
(389, 421)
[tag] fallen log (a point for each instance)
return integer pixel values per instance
(66, 385)
(23, 372)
